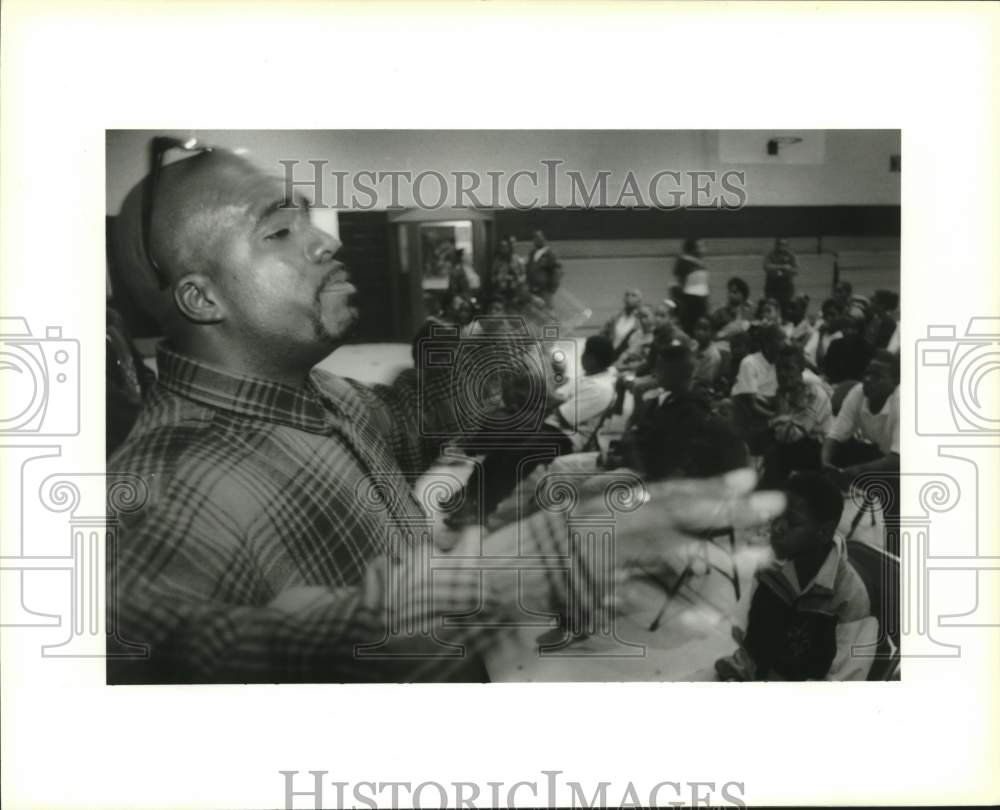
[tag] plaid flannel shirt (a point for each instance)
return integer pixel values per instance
(257, 491)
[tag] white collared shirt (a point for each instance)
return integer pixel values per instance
(855, 419)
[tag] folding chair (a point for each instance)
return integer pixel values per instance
(879, 570)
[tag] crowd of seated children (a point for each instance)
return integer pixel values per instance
(775, 373)
(671, 432)
(808, 606)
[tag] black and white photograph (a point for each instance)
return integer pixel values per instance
(504, 405)
(453, 404)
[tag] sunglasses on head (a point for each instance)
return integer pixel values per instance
(158, 148)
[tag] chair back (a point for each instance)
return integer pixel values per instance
(879, 570)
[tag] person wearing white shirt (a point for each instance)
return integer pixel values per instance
(864, 439)
(692, 279)
(755, 388)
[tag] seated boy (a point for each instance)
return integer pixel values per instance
(735, 316)
(755, 388)
(808, 606)
(864, 438)
(804, 418)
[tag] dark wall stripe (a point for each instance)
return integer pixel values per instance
(760, 221)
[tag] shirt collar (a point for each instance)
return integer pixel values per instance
(305, 409)
(825, 577)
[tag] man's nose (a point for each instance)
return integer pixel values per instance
(322, 246)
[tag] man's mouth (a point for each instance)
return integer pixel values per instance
(338, 287)
(338, 282)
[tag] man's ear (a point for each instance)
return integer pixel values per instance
(194, 295)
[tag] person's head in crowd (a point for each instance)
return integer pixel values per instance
(769, 339)
(495, 307)
(504, 249)
(740, 345)
(881, 379)
(856, 317)
(693, 246)
(512, 241)
(663, 315)
(796, 309)
(673, 364)
(598, 354)
(245, 280)
(737, 292)
(781, 245)
(831, 310)
(815, 506)
(788, 367)
(644, 315)
(885, 302)
(632, 300)
(769, 311)
(842, 292)
(538, 239)
(459, 310)
(702, 332)
(704, 447)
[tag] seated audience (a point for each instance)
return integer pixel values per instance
(809, 606)
(804, 418)
(756, 386)
(864, 439)
(620, 327)
(736, 314)
(707, 357)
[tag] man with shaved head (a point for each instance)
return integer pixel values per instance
(278, 537)
(620, 328)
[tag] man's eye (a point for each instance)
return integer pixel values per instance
(279, 234)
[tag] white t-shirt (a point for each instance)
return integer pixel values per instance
(856, 420)
(587, 403)
(756, 376)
